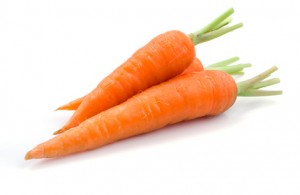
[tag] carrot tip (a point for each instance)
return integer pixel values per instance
(64, 107)
(36, 153)
(59, 108)
(59, 131)
(28, 156)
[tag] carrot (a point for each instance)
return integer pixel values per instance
(195, 66)
(164, 57)
(184, 97)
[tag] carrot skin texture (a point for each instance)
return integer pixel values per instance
(195, 66)
(164, 57)
(184, 97)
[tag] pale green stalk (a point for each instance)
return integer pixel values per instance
(215, 29)
(224, 62)
(251, 87)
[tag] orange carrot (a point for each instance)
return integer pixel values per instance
(195, 66)
(184, 97)
(164, 57)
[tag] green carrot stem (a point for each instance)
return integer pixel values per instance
(224, 62)
(214, 34)
(215, 22)
(269, 82)
(214, 29)
(222, 24)
(260, 77)
(239, 73)
(251, 86)
(230, 69)
(254, 92)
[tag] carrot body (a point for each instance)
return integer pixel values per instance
(164, 57)
(195, 66)
(184, 97)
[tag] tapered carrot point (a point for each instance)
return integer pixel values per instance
(28, 156)
(73, 105)
(63, 107)
(59, 131)
(35, 153)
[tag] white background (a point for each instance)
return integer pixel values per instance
(54, 51)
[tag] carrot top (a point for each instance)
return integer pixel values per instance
(226, 66)
(215, 29)
(252, 87)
